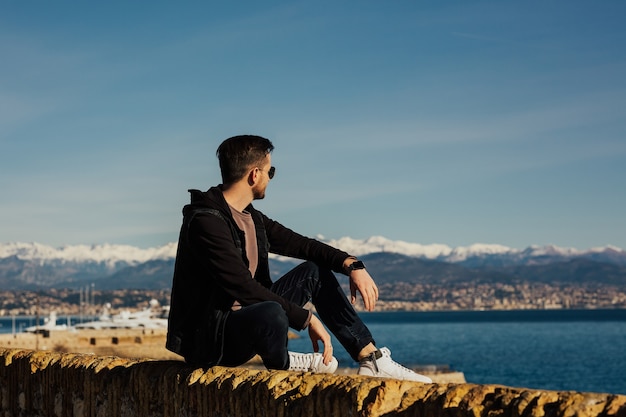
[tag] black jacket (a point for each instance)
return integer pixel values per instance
(211, 272)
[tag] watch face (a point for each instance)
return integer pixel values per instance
(357, 265)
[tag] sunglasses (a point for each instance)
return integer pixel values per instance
(270, 172)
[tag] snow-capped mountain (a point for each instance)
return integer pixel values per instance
(106, 253)
(470, 255)
(33, 265)
(434, 251)
(111, 255)
(25, 265)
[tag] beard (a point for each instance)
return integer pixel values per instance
(258, 193)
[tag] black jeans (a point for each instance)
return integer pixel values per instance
(262, 328)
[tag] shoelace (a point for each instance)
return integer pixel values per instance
(404, 368)
(300, 361)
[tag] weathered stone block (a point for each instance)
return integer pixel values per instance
(39, 383)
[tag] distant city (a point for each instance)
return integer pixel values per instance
(393, 297)
(72, 302)
(499, 296)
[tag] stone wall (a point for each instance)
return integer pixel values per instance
(40, 383)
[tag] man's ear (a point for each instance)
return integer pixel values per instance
(253, 176)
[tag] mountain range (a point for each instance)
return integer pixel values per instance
(38, 266)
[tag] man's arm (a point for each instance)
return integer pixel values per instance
(213, 246)
(318, 333)
(361, 281)
(285, 241)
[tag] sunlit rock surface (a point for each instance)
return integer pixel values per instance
(41, 383)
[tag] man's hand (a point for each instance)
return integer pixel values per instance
(317, 332)
(361, 281)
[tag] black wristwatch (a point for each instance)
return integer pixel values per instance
(355, 265)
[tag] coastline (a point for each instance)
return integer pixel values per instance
(5, 318)
(149, 344)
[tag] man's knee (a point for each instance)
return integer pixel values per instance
(312, 269)
(316, 271)
(272, 314)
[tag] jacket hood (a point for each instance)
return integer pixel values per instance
(213, 198)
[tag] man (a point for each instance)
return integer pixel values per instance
(224, 306)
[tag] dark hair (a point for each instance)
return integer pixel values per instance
(239, 153)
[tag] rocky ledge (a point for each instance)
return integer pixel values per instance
(49, 383)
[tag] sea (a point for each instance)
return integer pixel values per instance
(563, 350)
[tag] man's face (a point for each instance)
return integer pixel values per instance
(260, 186)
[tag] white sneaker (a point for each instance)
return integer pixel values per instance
(380, 364)
(311, 362)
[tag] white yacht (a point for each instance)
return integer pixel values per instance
(49, 324)
(153, 317)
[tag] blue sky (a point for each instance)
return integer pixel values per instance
(429, 122)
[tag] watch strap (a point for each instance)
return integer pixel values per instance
(355, 265)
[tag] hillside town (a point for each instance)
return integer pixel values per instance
(499, 296)
(396, 297)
